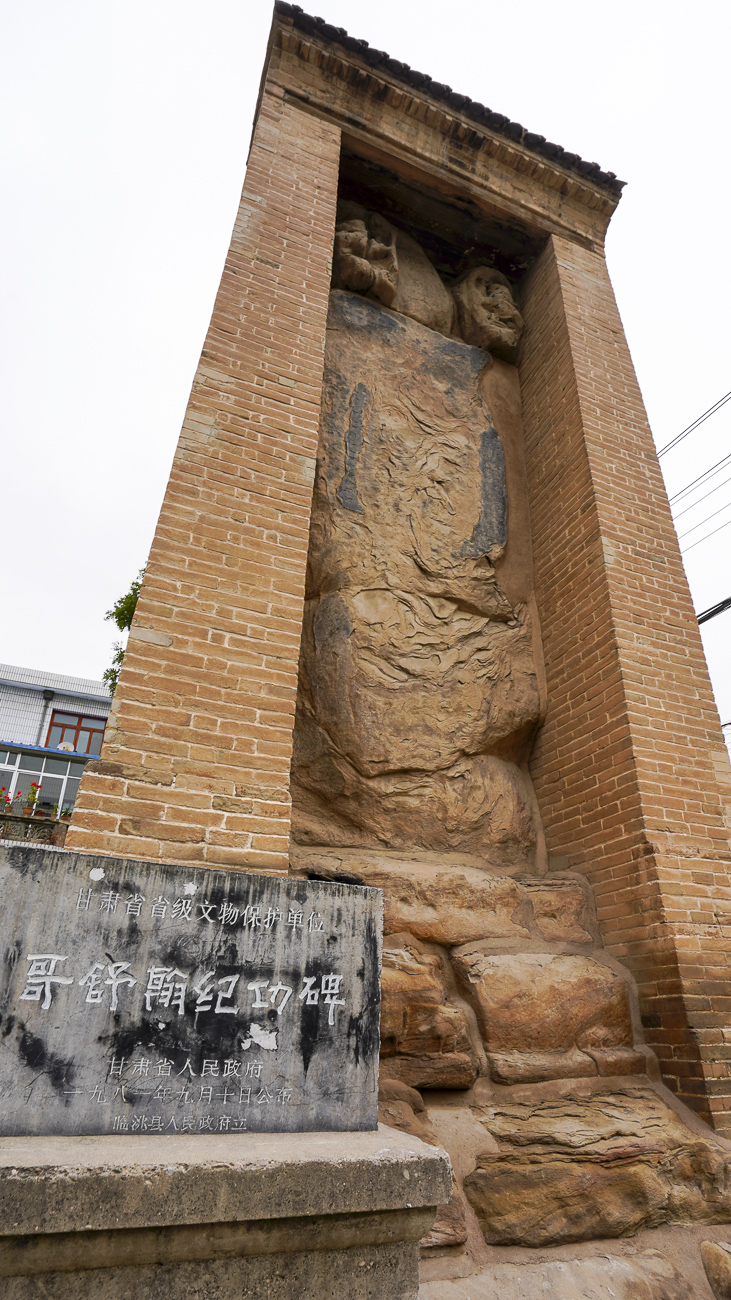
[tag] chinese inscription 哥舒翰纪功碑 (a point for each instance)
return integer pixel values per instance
(166, 987)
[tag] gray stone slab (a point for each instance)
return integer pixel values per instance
(252, 1215)
(145, 998)
(62, 1184)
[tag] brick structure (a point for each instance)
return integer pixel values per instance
(625, 766)
(196, 761)
(196, 756)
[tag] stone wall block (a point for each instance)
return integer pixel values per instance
(582, 1164)
(425, 1038)
(443, 901)
(548, 1015)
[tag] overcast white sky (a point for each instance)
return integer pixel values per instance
(126, 129)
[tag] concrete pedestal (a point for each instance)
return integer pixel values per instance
(253, 1215)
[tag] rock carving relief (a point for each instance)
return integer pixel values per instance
(419, 691)
(420, 694)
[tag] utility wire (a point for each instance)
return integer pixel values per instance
(705, 521)
(705, 539)
(711, 612)
(701, 477)
(703, 498)
(691, 427)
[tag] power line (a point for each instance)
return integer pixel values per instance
(679, 437)
(701, 477)
(703, 498)
(704, 521)
(705, 539)
(710, 613)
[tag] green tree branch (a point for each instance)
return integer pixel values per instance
(121, 613)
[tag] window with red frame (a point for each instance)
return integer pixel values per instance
(75, 731)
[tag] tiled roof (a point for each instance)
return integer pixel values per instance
(496, 122)
(57, 681)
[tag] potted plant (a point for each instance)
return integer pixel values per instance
(14, 805)
(31, 799)
(66, 815)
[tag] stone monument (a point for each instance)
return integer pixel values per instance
(224, 1003)
(414, 621)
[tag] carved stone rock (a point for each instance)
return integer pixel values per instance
(400, 1114)
(418, 692)
(449, 1227)
(421, 294)
(547, 1016)
(450, 904)
(716, 1256)
(364, 258)
(377, 259)
(559, 908)
(604, 1165)
(486, 313)
(620, 1124)
(528, 1201)
(425, 1041)
(374, 258)
(457, 900)
(393, 1090)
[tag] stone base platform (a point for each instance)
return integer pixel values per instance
(280, 1216)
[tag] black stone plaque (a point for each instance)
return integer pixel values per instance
(145, 998)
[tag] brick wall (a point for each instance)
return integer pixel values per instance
(624, 766)
(195, 763)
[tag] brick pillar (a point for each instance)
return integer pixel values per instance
(195, 764)
(624, 766)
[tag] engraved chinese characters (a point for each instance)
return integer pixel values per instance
(139, 998)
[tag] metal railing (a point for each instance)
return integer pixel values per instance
(35, 829)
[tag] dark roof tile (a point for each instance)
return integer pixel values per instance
(462, 103)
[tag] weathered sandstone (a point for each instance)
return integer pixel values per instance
(425, 1042)
(579, 1167)
(716, 1256)
(418, 692)
(549, 1016)
(451, 903)
(648, 1275)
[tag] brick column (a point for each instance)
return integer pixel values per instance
(624, 766)
(195, 764)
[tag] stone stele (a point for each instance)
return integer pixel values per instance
(139, 998)
(418, 691)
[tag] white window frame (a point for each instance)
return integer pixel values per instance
(15, 772)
